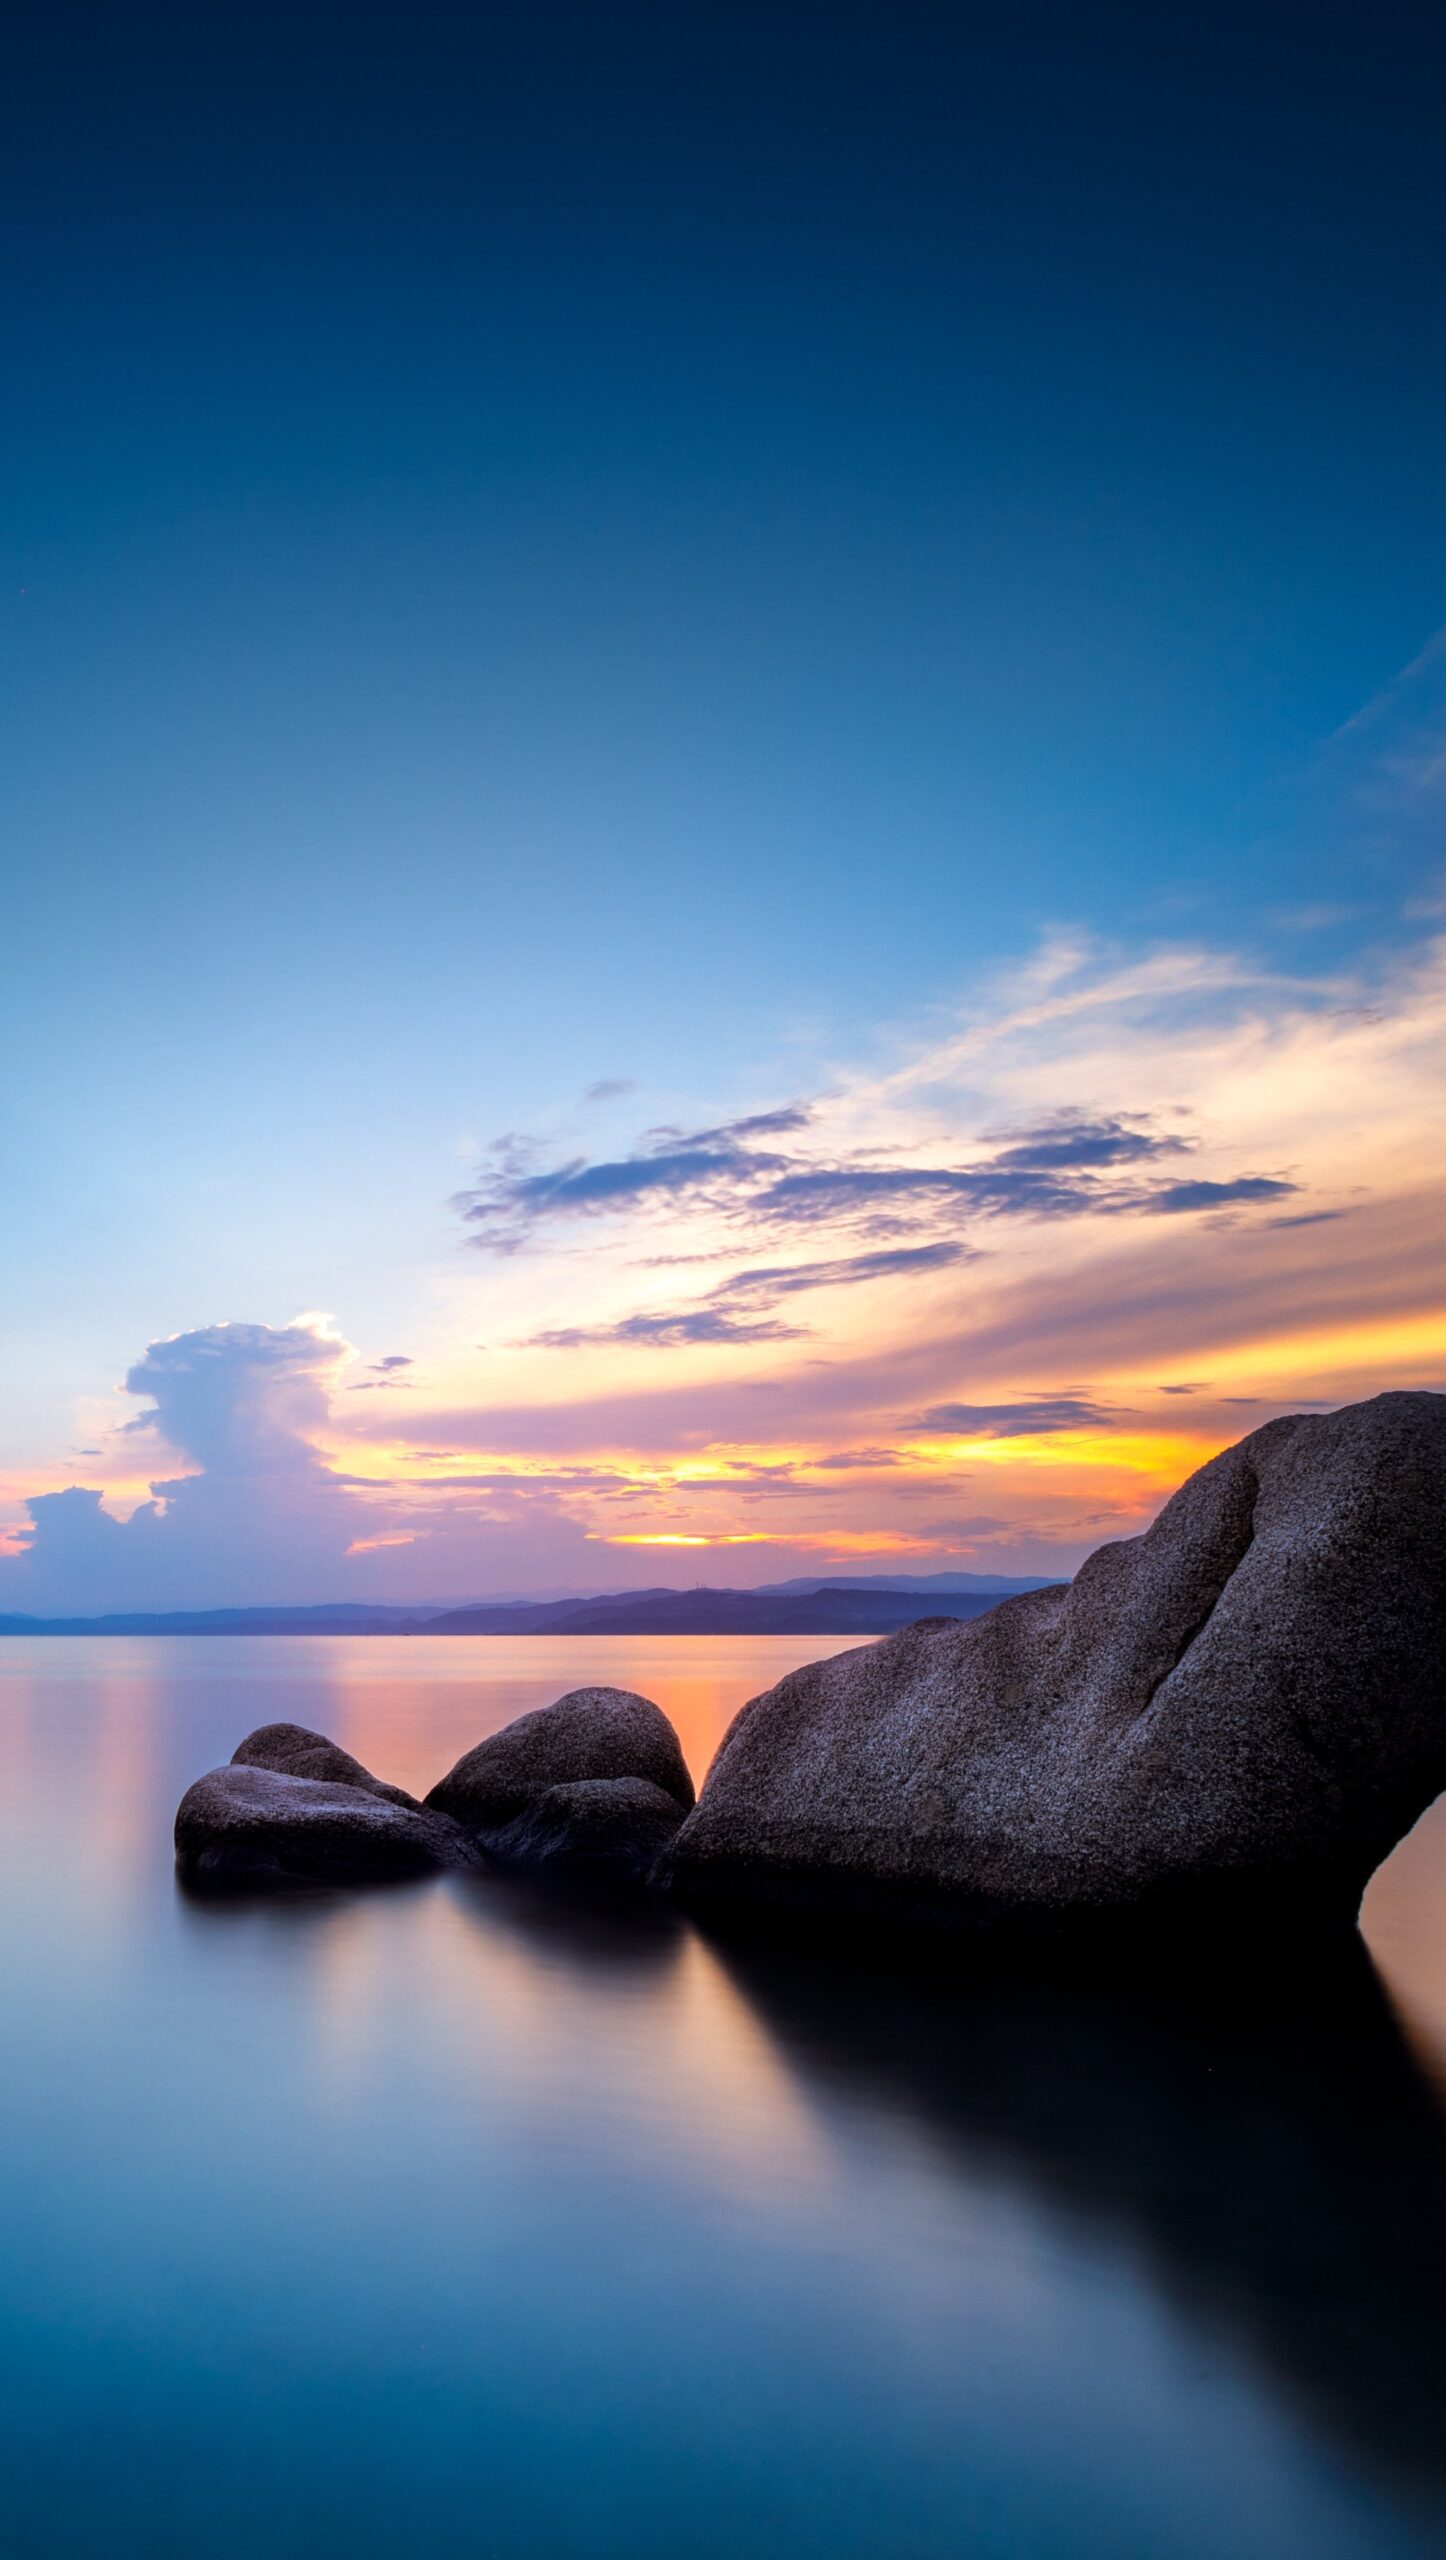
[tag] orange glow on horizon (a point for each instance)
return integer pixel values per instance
(681, 1538)
(1153, 1454)
(1336, 1350)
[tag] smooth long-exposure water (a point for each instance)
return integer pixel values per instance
(452, 2220)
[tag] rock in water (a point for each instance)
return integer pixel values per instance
(591, 1733)
(602, 1830)
(298, 1753)
(1230, 1719)
(257, 1826)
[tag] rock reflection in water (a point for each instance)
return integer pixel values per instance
(1276, 2154)
(464, 2215)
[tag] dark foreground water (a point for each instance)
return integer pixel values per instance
(446, 2220)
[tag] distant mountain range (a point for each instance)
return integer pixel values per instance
(858, 1604)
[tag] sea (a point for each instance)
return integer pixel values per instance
(464, 2221)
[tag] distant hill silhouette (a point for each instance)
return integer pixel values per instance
(329, 1618)
(864, 1605)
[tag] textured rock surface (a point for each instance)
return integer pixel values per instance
(261, 1826)
(1237, 1714)
(591, 1733)
(298, 1753)
(607, 1830)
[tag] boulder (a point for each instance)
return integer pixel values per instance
(298, 1753)
(591, 1733)
(1230, 1719)
(602, 1830)
(256, 1826)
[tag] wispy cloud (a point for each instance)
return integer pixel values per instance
(512, 1196)
(1021, 1420)
(1068, 1166)
(1072, 1139)
(849, 1271)
(678, 1330)
(383, 1374)
(736, 1309)
(1178, 1199)
(1041, 1240)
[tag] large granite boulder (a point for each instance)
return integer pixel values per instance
(598, 1830)
(259, 1826)
(1230, 1719)
(298, 1753)
(589, 1734)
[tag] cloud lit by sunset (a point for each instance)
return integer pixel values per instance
(979, 1300)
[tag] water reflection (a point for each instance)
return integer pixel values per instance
(1278, 2162)
(1272, 2161)
(476, 2183)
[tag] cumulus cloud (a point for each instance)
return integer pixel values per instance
(241, 1399)
(241, 1404)
(261, 1515)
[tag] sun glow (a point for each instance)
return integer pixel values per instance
(682, 1538)
(1153, 1454)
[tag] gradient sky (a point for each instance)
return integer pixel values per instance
(731, 723)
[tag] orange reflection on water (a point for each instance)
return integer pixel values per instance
(100, 1737)
(1403, 1920)
(409, 1706)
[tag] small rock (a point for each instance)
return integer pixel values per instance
(256, 1826)
(591, 1733)
(601, 1829)
(297, 1753)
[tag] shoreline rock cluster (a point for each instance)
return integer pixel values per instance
(593, 1787)
(1235, 1716)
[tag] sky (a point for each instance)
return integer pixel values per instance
(724, 752)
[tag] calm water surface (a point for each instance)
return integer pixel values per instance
(447, 2220)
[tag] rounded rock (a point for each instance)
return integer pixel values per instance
(296, 1752)
(604, 1830)
(591, 1733)
(253, 1826)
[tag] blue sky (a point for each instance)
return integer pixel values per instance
(672, 547)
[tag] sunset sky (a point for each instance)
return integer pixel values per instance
(724, 798)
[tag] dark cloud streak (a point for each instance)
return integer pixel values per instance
(737, 1309)
(1021, 1420)
(1072, 1140)
(1067, 1167)
(1179, 1197)
(675, 1331)
(785, 1280)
